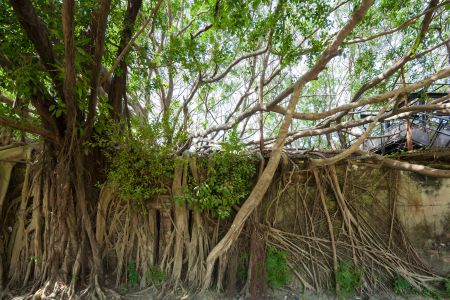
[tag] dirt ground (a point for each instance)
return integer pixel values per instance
(282, 294)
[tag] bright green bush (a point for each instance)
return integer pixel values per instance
(142, 166)
(229, 179)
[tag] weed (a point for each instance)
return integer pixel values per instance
(402, 286)
(348, 277)
(155, 275)
(278, 272)
(132, 274)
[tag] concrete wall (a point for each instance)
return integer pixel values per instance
(424, 209)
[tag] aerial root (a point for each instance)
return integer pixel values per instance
(340, 230)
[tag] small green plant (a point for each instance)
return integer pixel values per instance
(402, 287)
(155, 275)
(132, 275)
(229, 179)
(278, 271)
(348, 277)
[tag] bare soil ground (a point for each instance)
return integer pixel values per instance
(281, 294)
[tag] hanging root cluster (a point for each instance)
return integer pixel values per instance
(58, 237)
(49, 242)
(342, 219)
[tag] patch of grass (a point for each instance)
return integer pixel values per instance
(278, 271)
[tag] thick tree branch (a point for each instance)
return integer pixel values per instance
(117, 91)
(444, 73)
(69, 75)
(357, 123)
(99, 26)
(355, 146)
(124, 51)
(29, 128)
(405, 166)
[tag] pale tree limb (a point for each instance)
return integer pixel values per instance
(354, 147)
(444, 73)
(392, 115)
(30, 128)
(405, 166)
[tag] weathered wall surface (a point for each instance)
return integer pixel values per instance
(422, 205)
(424, 209)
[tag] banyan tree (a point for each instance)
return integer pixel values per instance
(147, 142)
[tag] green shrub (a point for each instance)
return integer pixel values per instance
(348, 277)
(278, 271)
(229, 179)
(140, 166)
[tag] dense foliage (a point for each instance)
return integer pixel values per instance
(229, 179)
(201, 60)
(140, 168)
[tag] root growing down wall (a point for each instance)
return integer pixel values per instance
(326, 220)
